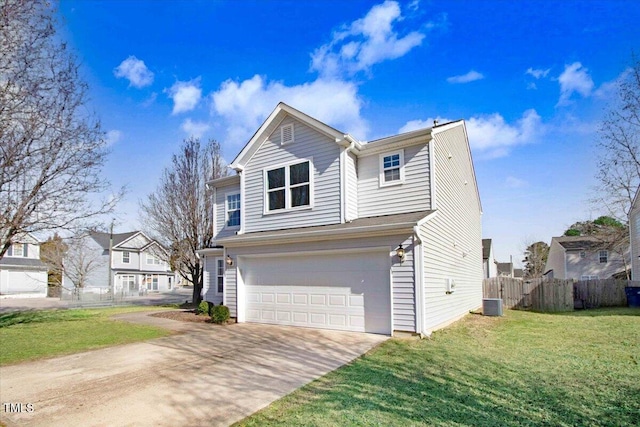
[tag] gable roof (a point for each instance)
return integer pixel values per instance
(103, 238)
(281, 111)
(575, 243)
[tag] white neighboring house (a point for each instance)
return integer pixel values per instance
(583, 258)
(318, 229)
(634, 236)
(137, 264)
(489, 263)
(22, 274)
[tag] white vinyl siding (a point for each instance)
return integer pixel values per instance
(403, 274)
(352, 186)
(325, 178)
(452, 239)
(210, 280)
(220, 210)
(411, 196)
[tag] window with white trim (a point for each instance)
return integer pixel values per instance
(588, 277)
(392, 168)
(286, 134)
(219, 276)
(288, 187)
(604, 257)
(153, 260)
(233, 210)
(126, 257)
(18, 250)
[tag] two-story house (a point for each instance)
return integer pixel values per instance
(489, 263)
(634, 236)
(318, 229)
(584, 258)
(22, 274)
(134, 265)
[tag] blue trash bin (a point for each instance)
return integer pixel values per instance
(633, 296)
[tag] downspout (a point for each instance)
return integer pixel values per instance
(347, 150)
(418, 260)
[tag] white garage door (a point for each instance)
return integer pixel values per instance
(345, 291)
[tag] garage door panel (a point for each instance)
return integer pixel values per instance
(345, 292)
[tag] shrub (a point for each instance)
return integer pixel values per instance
(220, 314)
(204, 308)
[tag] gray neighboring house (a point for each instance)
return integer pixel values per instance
(582, 258)
(505, 269)
(22, 273)
(634, 236)
(137, 263)
(318, 229)
(489, 264)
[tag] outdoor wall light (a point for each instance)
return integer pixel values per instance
(229, 261)
(400, 253)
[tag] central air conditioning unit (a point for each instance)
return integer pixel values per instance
(492, 306)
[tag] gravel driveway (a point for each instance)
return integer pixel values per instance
(204, 375)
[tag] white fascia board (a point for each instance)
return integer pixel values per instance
(225, 180)
(210, 251)
(316, 235)
(421, 136)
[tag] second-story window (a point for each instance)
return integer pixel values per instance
(126, 257)
(18, 250)
(391, 168)
(288, 186)
(604, 257)
(153, 260)
(233, 210)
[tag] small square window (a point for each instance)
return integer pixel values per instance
(604, 257)
(583, 254)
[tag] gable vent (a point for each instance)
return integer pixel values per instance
(286, 134)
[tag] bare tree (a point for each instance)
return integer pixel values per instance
(179, 212)
(81, 262)
(619, 147)
(51, 148)
(535, 259)
(52, 253)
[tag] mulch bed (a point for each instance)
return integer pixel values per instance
(183, 316)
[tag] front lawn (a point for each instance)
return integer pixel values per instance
(524, 369)
(33, 335)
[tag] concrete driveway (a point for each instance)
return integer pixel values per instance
(206, 375)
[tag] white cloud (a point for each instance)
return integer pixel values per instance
(491, 136)
(112, 137)
(513, 182)
(134, 70)
(538, 73)
(245, 105)
(185, 95)
(471, 76)
(608, 90)
(366, 42)
(195, 129)
(574, 78)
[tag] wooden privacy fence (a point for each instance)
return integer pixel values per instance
(556, 295)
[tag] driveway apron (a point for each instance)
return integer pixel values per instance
(204, 375)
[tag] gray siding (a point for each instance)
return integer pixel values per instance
(309, 144)
(209, 281)
(231, 290)
(555, 260)
(403, 275)
(590, 265)
(351, 186)
(412, 196)
(220, 228)
(634, 232)
(452, 239)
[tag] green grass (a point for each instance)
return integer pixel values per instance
(31, 335)
(524, 369)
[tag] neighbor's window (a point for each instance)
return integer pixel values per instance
(233, 210)
(583, 254)
(19, 250)
(126, 257)
(604, 256)
(392, 168)
(289, 186)
(153, 260)
(588, 277)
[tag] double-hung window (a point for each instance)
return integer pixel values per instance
(126, 257)
(604, 257)
(233, 210)
(288, 187)
(153, 260)
(18, 250)
(219, 276)
(392, 168)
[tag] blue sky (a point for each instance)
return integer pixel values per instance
(530, 78)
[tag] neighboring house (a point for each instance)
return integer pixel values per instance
(137, 263)
(583, 258)
(518, 273)
(634, 236)
(489, 264)
(505, 269)
(22, 274)
(320, 230)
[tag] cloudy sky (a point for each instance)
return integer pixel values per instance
(531, 79)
